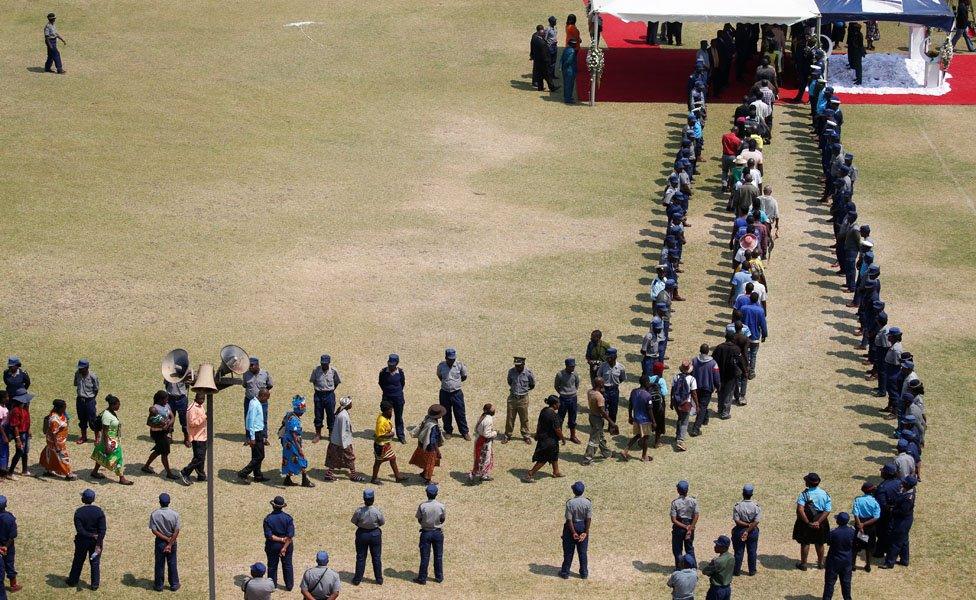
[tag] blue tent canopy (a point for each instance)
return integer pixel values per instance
(931, 13)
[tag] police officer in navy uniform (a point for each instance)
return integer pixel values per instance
(392, 381)
(8, 553)
(902, 517)
(745, 534)
(279, 531)
(431, 516)
(840, 558)
(886, 494)
(89, 537)
(576, 531)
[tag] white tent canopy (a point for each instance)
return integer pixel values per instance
(784, 12)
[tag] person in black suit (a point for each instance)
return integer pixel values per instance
(539, 53)
(840, 558)
(855, 51)
(89, 537)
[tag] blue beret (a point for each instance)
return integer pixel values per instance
(657, 324)
(907, 434)
(878, 305)
(83, 363)
(570, 362)
(874, 269)
(325, 358)
(909, 481)
(258, 569)
(13, 361)
(431, 489)
(88, 495)
(682, 486)
(889, 469)
(255, 361)
(670, 282)
(723, 541)
(322, 558)
(368, 494)
(894, 331)
(578, 488)
(673, 178)
(393, 358)
(3, 502)
(164, 499)
(903, 444)
(911, 419)
(843, 518)
(748, 489)
(450, 353)
(612, 351)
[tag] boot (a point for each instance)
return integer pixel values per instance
(306, 482)
(288, 482)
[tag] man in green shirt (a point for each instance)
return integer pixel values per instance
(719, 571)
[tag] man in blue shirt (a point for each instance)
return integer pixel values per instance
(8, 552)
(840, 558)
(89, 535)
(639, 415)
(254, 428)
(279, 531)
(391, 382)
(739, 281)
(754, 317)
(902, 518)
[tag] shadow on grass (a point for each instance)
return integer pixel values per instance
(544, 570)
(57, 581)
(777, 562)
(130, 580)
(646, 567)
(404, 575)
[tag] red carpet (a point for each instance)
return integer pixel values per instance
(636, 72)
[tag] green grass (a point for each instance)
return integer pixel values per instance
(204, 176)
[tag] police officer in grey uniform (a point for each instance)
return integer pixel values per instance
(576, 531)
(368, 520)
(86, 386)
(320, 582)
(324, 379)
(257, 379)
(431, 516)
(613, 374)
(566, 385)
(51, 37)
(745, 534)
(684, 519)
(521, 381)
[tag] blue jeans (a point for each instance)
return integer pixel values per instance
(324, 406)
(179, 404)
(679, 544)
(21, 453)
(87, 414)
(753, 351)
(397, 402)
(84, 549)
(165, 562)
(748, 547)
(704, 399)
(569, 84)
(571, 546)
(433, 539)
(568, 405)
(454, 401)
(831, 574)
(53, 56)
(369, 540)
(612, 395)
(271, 552)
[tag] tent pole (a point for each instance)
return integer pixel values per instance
(596, 34)
(826, 59)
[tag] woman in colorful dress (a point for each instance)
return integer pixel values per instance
(383, 443)
(484, 453)
(54, 456)
(340, 453)
(427, 456)
(293, 461)
(108, 449)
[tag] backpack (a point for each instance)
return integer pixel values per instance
(657, 399)
(681, 394)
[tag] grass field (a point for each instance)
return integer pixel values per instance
(387, 181)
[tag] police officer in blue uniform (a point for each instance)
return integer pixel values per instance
(840, 558)
(279, 531)
(885, 495)
(392, 381)
(89, 535)
(8, 553)
(576, 531)
(902, 517)
(369, 521)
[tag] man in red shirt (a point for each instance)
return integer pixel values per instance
(20, 423)
(730, 149)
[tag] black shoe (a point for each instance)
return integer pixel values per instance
(356, 581)
(201, 477)
(418, 581)
(174, 588)
(564, 575)
(379, 581)
(287, 482)
(438, 580)
(158, 589)
(886, 566)
(70, 583)
(243, 477)
(260, 478)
